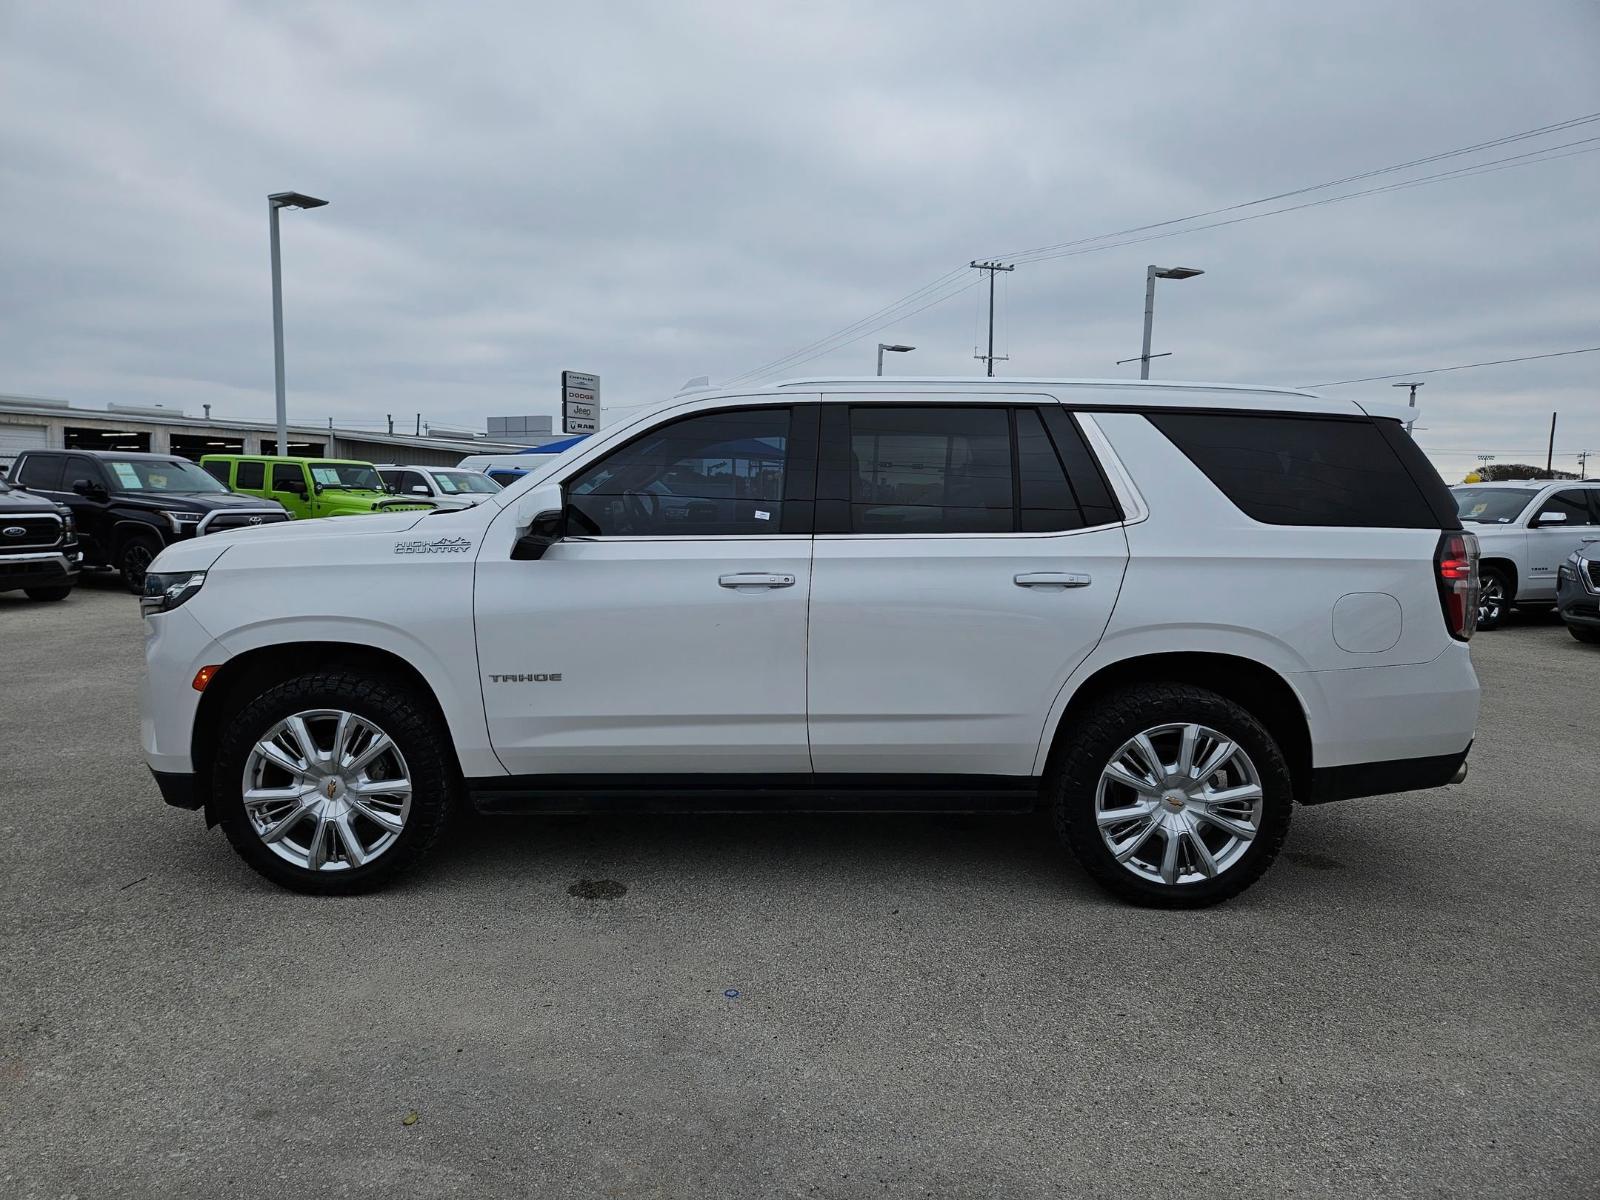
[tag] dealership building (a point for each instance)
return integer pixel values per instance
(32, 423)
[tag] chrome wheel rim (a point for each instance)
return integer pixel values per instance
(1179, 804)
(327, 790)
(1491, 599)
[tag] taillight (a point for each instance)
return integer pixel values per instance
(1455, 565)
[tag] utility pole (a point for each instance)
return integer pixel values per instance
(1550, 454)
(992, 268)
(419, 424)
(390, 417)
(1583, 464)
(1413, 386)
(1483, 464)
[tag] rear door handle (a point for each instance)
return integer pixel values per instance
(755, 580)
(1051, 579)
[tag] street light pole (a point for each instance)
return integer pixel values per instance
(1151, 274)
(274, 202)
(1413, 403)
(882, 346)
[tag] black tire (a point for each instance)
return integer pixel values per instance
(402, 714)
(134, 557)
(1112, 722)
(48, 593)
(1494, 598)
(1584, 634)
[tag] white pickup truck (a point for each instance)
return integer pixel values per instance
(1526, 529)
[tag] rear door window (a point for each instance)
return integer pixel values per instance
(250, 475)
(1284, 469)
(40, 471)
(930, 470)
(217, 471)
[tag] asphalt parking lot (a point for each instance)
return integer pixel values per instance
(808, 1006)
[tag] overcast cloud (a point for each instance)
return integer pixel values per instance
(656, 191)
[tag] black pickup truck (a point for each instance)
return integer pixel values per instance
(39, 551)
(129, 507)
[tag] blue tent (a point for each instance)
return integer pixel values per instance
(555, 447)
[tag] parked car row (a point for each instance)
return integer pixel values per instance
(1538, 540)
(64, 510)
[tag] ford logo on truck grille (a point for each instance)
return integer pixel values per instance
(14, 531)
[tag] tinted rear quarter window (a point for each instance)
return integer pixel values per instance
(1307, 470)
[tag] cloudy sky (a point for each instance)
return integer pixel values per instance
(654, 191)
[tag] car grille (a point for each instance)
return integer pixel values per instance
(27, 570)
(243, 520)
(1593, 567)
(40, 531)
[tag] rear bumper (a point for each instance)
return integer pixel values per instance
(1385, 778)
(178, 789)
(43, 569)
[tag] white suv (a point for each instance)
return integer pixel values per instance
(1164, 613)
(1526, 528)
(447, 487)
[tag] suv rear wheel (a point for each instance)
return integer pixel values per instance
(1171, 795)
(334, 783)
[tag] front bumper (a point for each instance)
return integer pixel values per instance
(40, 569)
(176, 647)
(1579, 604)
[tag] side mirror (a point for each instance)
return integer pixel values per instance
(548, 528)
(420, 489)
(88, 489)
(1550, 517)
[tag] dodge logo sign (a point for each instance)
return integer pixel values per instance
(14, 531)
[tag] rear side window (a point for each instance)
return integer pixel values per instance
(930, 470)
(217, 471)
(250, 475)
(39, 471)
(1294, 470)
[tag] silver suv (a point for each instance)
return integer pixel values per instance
(1526, 528)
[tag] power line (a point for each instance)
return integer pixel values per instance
(946, 287)
(1528, 159)
(1459, 367)
(1558, 126)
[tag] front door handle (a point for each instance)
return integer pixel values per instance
(755, 580)
(1051, 579)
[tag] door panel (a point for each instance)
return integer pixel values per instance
(927, 655)
(1549, 545)
(677, 655)
(667, 632)
(942, 648)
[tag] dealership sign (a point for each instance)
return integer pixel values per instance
(580, 402)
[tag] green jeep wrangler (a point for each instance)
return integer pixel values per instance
(309, 487)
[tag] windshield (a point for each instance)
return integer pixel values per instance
(158, 475)
(1491, 505)
(453, 482)
(353, 476)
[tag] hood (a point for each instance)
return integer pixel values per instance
(198, 554)
(15, 500)
(200, 502)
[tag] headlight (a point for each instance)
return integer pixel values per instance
(182, 522)
(166, 591)
(68, 525)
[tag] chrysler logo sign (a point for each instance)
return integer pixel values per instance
(14, 531)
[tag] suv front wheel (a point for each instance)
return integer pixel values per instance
(334, 783)
(1171, 795)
